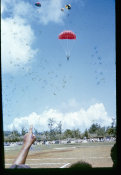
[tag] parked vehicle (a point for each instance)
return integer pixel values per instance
(6, 144)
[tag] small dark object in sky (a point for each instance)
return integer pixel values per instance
(68, 57)
(59, 65)
(38, 4)
(99, 58)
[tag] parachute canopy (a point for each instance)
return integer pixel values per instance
(38, 4)
(68, 6)
(67, 34)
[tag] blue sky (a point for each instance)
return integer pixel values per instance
(38, 82)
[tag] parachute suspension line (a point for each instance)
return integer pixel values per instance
(67, 48)
(67, 51)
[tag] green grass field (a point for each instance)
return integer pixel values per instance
(63, 155)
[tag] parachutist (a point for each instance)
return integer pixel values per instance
(68, 57)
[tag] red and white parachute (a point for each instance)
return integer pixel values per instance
(67, 37)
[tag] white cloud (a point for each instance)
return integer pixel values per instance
(70, 105)
(23, 9)
(50, 11)
(17, 38)
(81, 119)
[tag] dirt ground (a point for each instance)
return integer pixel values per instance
(62, 156)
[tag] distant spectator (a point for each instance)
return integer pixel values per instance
(114, 155)
(81, 164)
(29, 139)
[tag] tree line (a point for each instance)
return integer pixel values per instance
(56, 132)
